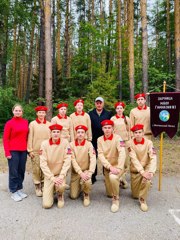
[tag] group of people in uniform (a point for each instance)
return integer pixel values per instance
(74, 143)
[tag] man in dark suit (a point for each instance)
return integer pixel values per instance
(97, 115)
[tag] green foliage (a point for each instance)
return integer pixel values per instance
(93, 51)
(70, 100)
(157, 77)
(7, 101)
(105, 86)
(128, 108)
(158, 45)
(29, 112)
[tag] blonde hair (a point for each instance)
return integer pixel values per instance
(17, 105)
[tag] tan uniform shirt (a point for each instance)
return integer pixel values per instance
(55, 159)
(142, 157)
(111, 152)
(82, 120)
(141, 117)
(83, 157)
(121, 128)
(38, 132)
(67, 131)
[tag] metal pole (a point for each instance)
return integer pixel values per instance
(161, 149)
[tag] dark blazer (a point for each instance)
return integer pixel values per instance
(96, 124)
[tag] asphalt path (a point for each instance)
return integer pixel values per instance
(27, 219)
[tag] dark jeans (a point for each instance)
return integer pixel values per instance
(17, 166)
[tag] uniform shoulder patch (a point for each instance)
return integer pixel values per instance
(153, 150)
(40, 152)
(122, 143)
(69, 151)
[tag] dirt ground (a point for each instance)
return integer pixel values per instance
(171, 156)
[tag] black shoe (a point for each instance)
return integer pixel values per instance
(93, 180)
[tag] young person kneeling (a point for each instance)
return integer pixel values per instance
(55, 161)
(83, 165)
(143, 162)
(111, 152)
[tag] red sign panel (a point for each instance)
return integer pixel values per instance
(165, 109)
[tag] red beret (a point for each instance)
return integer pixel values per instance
(78, 101)
(137, 127)
(55, 127)
(107, 122)
(120, 104)
(62, 105)
(140, 95)
(81, 127)
(41, 108)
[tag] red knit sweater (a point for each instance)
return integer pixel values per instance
(15, 135)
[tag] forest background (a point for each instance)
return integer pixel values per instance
(60, 50)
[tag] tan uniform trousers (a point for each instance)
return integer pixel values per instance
(126, 164)
(77, 186)
(112, 183)
(139, 188)
(49, 190)
(37, 174)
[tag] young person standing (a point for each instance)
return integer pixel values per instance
(38, 132)
(141, 115)
(15, 147)
(79, 117)
(65, 121)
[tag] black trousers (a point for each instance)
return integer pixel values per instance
(17, 166)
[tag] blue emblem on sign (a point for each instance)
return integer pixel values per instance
(164, 115)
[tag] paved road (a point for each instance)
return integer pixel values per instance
(27, 220)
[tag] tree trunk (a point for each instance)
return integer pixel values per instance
(125, 19)
(48, 58)
(30, 55)
(19, 55)
(92, 12)
(36, 56)
(157, 35)
(125, 32)
(54, 47)
(103, 55)
(131, 47)
(119, 48)
(24, 65)
(13, 76)
(144, 45)
(19, 93)
(92, 19)
(177, 42)
(41, 53)
(108, 54)
(58, 42)
(22, 78)
(168, 36)
(1, 59)
(3, 49)
(1, 62)
(67, 43)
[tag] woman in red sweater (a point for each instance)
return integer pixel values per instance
(15, 147)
